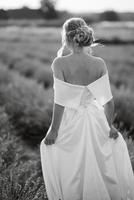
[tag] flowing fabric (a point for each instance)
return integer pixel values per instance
(84, 163)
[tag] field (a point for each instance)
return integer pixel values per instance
(26, 100)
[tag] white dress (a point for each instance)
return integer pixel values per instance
(84, 163)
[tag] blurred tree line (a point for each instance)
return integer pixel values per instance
(48, 11)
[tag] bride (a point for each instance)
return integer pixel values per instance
(83, 156)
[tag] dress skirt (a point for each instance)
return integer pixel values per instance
(84, 163)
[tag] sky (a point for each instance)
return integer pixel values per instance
(75, 5)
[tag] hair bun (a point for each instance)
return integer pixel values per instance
(76, 32)
(84, 36)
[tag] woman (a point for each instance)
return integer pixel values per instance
(83, 156)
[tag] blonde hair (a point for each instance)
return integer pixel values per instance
(75, 32)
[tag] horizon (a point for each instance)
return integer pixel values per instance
(70, 6)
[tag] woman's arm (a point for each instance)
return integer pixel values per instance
(109, 106)
(57, 109)
(55, 124)
(109, 111)
(57, 117)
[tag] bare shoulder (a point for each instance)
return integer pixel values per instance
(57, 66)
(55, 63)
(101, 64)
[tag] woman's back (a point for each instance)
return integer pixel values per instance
(81, 68)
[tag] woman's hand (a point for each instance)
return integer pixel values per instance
(113, 132)
(51, 137)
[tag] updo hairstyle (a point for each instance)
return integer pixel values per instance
(76, 33)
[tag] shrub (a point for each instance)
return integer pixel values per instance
(20, 169)
(124, 105)
(28, 106)
(109, 15)
(26, 67)
(35, 69)
(45, 77)
(9, 58)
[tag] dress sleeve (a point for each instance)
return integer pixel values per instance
(66, 95)
(101, 89)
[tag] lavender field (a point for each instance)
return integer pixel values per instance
(26, 99)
